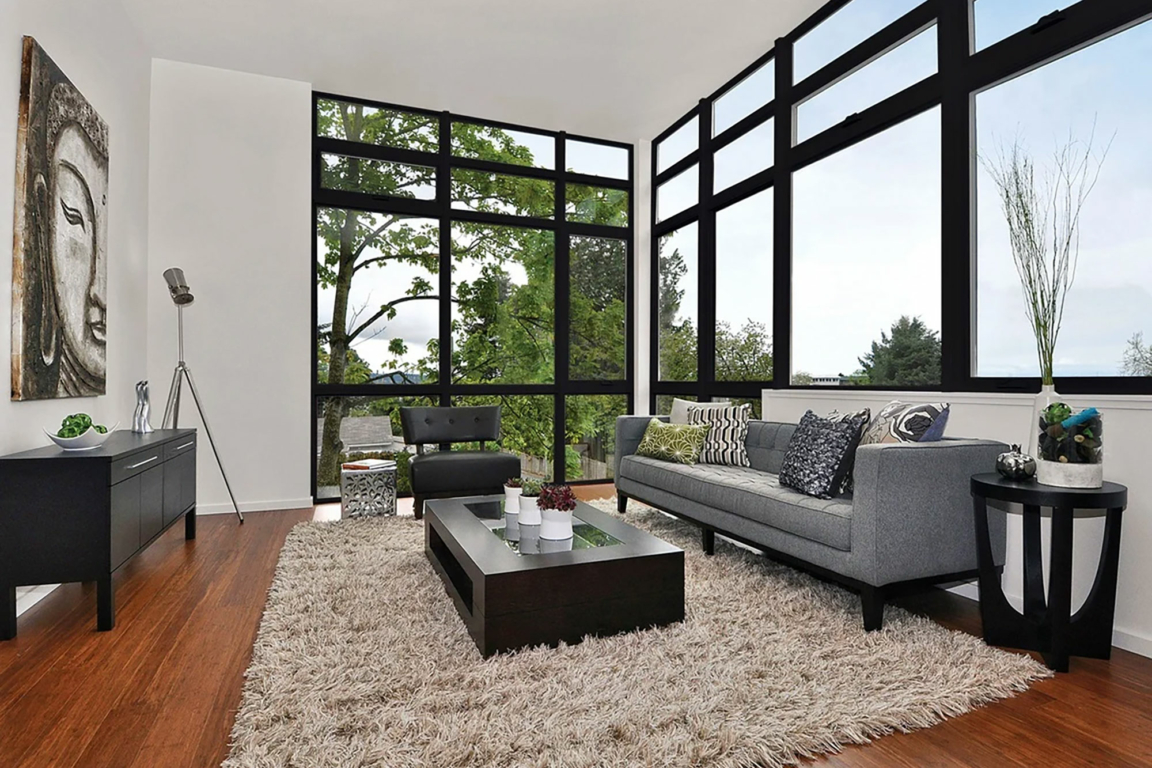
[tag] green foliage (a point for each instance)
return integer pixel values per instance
(909, 357)
(77, 424)
(532, 487)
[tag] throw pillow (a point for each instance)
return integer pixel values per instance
(816, 459)
(672, 442)
(725, 441)
(900, 422)
(864, 415)
(680, 408)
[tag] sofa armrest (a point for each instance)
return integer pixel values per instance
(912, 507)
(629, 433)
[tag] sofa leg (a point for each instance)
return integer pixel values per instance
(621, 502)
(872, 602)
(708, 539)
(418, 506)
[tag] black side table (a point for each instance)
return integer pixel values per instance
(1046, 625)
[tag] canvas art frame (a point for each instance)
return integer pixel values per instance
(60, 237)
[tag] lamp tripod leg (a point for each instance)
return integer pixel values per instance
(172, 409)
(211, 442)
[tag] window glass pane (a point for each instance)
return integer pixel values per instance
(744, 98)
(377, 177)
(1097, 99)
(596, 159)
(677, 304)
(843, 31)
(685, 140)
(901, 67)
(866, 292)
(664, 403)
(377, 278)
(744, 290)
(590, 429)
(597, 205)
(997, 19)
(350, 428)
(678, 193)
(749, 154)
(385, 127)
(598, 329)
(525, 429)
(502, 305)
(501, 193)
(501, 145)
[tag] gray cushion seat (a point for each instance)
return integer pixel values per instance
(751, 494)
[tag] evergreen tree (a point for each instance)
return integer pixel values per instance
(910, 356)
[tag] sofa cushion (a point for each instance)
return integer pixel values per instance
(900, 422)
(724, 443)
(679, 414)
(672, 442)
(446, 471)
(750, 494)
(820, 455)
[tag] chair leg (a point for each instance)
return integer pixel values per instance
(621, 502)
(418, 506)
(872, 603)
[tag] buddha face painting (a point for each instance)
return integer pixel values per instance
(60, 303)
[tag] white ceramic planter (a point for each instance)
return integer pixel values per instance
(547, 547)
(555, 525)
(1062, 475)
(529, 512)
(512, 500)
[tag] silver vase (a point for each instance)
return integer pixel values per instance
(143, 411)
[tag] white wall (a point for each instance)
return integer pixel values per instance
(1007, 417)
(99, 49)
(230, 203)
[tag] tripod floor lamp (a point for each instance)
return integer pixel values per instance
(182, 297)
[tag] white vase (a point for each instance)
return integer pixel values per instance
(512, 500)
(529, 512)
(547, 546)
(555, 525)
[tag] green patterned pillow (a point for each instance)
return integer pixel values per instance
(673, 442)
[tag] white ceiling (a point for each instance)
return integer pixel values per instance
(621, 69)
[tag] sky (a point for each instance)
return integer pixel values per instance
(866, 237)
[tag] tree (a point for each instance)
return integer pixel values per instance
(744, 355)
(1137, 357)
(909, 357)
(801, 378)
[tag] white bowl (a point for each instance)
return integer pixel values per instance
(85, 442)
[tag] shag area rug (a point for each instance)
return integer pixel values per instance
(362, 660)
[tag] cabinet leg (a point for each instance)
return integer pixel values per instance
(190, 525)
(7, 613)
(105, 604)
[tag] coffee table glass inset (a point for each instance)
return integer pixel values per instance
(610, 577)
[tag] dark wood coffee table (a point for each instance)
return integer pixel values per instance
(514, 590)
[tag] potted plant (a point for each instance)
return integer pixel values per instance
(513, 487)
(529, 512)
(556, 504)
(1071, 448)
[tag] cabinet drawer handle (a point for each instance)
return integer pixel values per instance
(142, 463)
(186, 445)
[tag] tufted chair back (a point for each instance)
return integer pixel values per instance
(471, 424)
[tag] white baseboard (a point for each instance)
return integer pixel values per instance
(225, 508)
(1128, 641)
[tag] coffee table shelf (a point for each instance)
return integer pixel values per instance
(621, 579)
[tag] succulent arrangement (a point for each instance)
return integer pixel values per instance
(514, 482)
(558, 497)
(1071, 438)
(532, 487)
(77, 424)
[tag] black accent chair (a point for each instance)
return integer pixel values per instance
(446, 473)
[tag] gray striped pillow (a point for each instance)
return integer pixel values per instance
(725, 441)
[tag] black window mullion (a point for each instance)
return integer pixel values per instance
(706, 257)
(560, 318)
(782, 219)
(444, 206)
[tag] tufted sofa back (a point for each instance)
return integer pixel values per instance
(766, 443)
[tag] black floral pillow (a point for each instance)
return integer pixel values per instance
(820, 454)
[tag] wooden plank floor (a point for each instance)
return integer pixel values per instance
(161, 690)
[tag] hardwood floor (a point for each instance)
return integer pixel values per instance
(161, 690)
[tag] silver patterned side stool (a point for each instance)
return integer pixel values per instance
(368, 492)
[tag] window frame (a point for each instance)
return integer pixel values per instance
(961, 73)
(441, 210)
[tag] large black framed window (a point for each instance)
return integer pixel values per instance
(463, 261)
(826, 218)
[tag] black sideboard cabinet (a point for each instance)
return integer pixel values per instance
(81, 515)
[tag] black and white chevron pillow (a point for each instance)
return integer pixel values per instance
(725, 441)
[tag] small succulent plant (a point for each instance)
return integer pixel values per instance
(558, 497)
(532, 487)
(513, 482)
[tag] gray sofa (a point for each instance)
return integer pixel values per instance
(908, 522)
